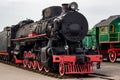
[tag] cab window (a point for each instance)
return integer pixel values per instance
(111, 28)
(104, 29)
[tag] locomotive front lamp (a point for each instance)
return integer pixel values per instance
(73, 6)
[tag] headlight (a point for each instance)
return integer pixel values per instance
(73, 6)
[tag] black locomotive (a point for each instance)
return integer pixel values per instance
(52, 43)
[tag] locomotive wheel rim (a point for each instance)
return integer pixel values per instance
(34, 67)
(112, 57)
(46, 69)
(40, 67)
(61, 69)
(29, 65)
(24, 63)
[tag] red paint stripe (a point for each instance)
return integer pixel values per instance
(95, 58)
(110, 42)
(29, 37)
(18, 61)
(4, 53)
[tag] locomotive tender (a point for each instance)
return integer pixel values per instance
(52, 43)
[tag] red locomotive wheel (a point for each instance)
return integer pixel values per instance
(61, 69)
(40, 67)
(25, 63)
(30, 64)
(34, 65)
(112, 56)
(46, 69)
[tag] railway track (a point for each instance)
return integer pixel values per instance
(56, 75)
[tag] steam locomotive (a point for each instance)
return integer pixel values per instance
(52, 43)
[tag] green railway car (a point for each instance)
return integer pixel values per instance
(90, 40)
(109, 29)
(108, 33)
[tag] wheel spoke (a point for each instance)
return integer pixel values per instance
(61, 69)
(40, 67)
(34, 65)
(112, 56)
(25, 63)
(30, 64)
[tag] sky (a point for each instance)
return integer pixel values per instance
(13, 11)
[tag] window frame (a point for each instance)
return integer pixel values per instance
(104, 29)
(113, 28)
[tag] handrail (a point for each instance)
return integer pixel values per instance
(113, 36)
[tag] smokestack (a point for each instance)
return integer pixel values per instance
(65, 8)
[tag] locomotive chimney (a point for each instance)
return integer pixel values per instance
(64, 8)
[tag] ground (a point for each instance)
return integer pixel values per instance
(108, 71)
